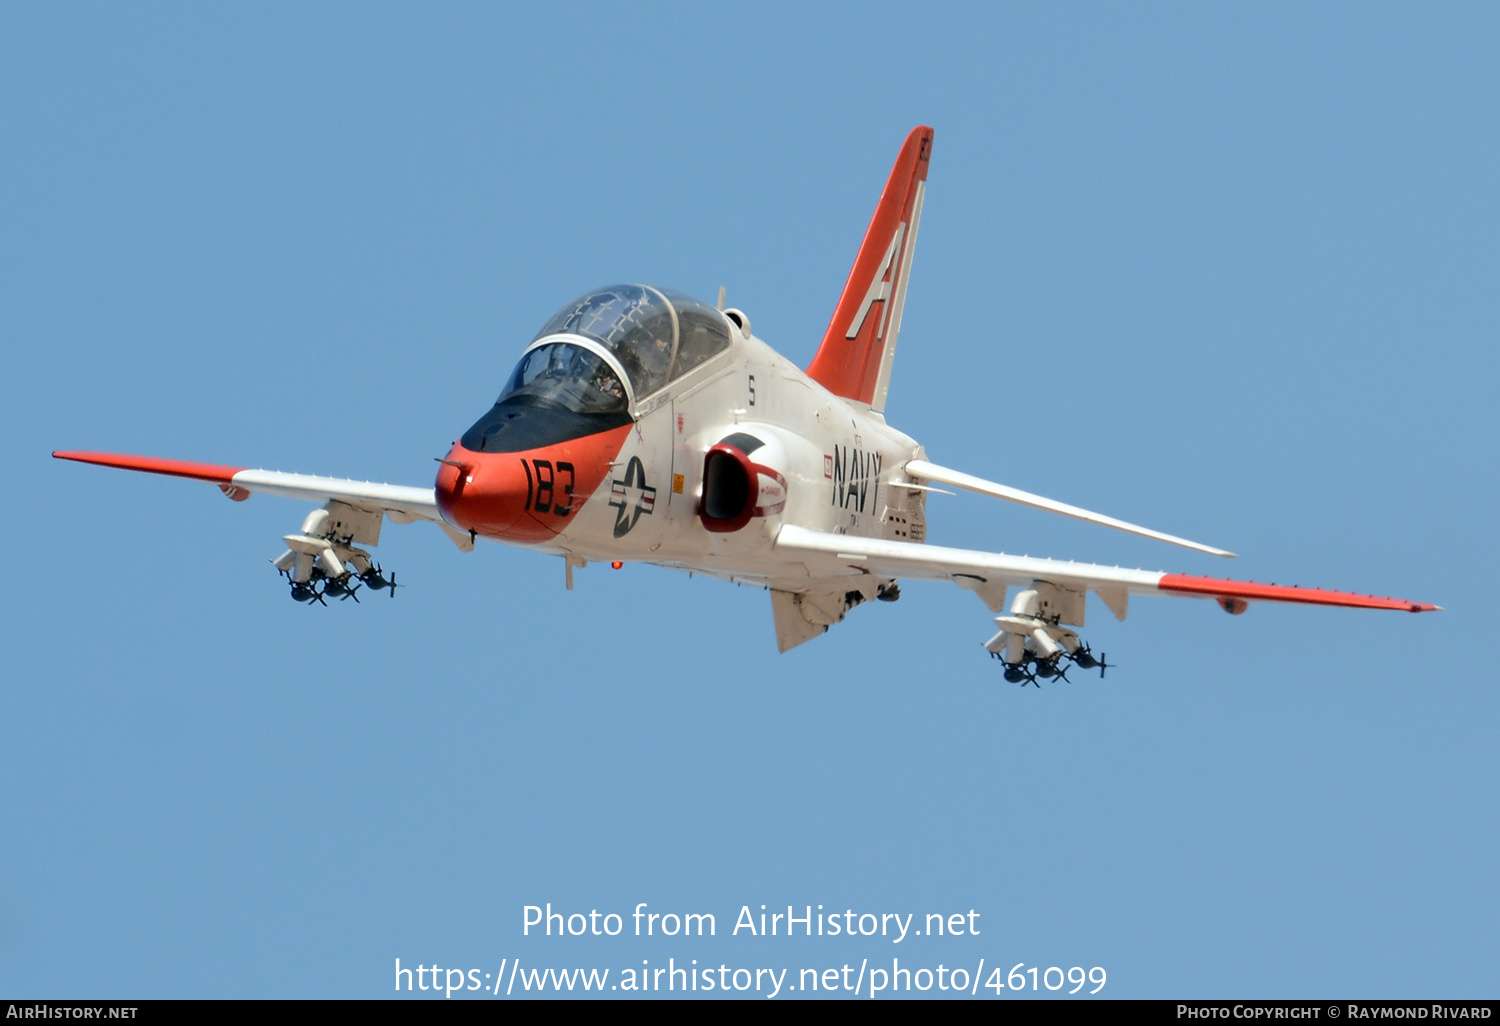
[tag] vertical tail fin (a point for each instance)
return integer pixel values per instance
(854, 360)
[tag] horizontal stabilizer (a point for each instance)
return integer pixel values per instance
(942, 475)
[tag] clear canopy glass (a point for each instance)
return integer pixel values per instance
(658, 335)
(568, 376)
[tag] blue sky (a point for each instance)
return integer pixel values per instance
(1229, 272)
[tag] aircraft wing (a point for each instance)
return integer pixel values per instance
(990, 573)
(401, 503)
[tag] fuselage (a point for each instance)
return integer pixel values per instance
(642, 425)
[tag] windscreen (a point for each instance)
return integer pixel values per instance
(557, 392)
(568, 376)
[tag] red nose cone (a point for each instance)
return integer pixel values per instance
(487, 494)
(526, 496)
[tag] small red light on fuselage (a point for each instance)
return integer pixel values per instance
(616, 565)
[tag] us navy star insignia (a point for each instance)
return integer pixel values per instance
(631, 497)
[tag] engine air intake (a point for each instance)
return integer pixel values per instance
(730, 491)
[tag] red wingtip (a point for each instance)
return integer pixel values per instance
(219, 475)
(1282, 593)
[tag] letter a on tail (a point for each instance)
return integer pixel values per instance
(854, 360)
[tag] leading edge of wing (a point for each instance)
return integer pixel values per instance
(935, 562)
(417, 503)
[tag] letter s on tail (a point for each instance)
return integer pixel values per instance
(854, 360)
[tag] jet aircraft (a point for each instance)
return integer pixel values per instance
(642, 424)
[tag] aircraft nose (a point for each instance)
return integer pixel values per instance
(480, 493)
(525, 496)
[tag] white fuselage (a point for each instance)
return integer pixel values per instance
(842, 467)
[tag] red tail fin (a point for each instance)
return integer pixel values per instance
(854, 360)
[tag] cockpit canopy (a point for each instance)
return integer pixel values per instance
(658, 335)
(566, 389)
